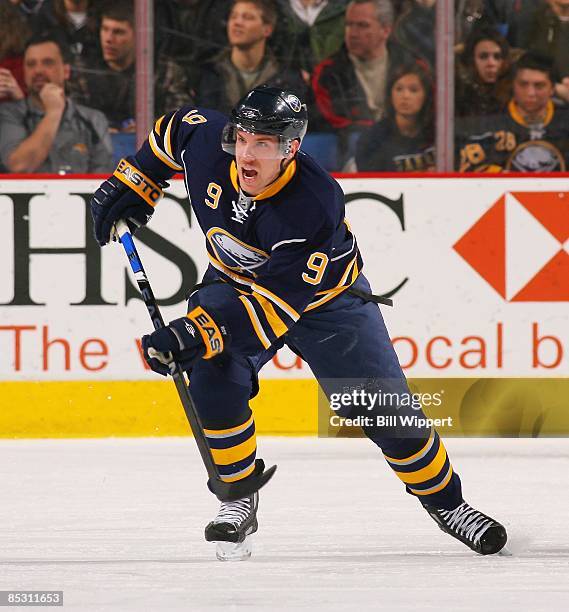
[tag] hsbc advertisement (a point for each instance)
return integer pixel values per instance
(478, 270)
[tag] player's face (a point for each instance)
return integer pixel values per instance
(43, 64)
(258, 160)
(532, 90)
(408, 95)
(245, 26)
(365, 36)
(488, 60)
(117, 41)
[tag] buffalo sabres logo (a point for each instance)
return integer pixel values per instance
(536, 156)
(294, 103)
(233, 253)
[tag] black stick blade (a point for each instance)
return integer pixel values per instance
(231, 491)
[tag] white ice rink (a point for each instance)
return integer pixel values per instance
(118, 525)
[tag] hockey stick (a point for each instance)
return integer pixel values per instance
(225, 491)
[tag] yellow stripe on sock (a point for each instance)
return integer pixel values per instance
(436, 488)
(218, 433)
(428, 472)
(240, 476)
(227, 456)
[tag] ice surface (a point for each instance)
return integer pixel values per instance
(118, 524)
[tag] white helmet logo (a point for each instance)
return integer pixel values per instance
(294, 103)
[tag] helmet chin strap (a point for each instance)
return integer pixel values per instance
(284, 161)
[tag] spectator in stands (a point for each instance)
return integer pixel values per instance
(109, 83)
(483, 83)
(414, 29)
(308, 31)
(47, 132)
(14, 33)
(403, 141)
(75, 22)
(350, 85)
(550, 36)
(29, 9)
(468, 14)
(248, 61)
(513, 19)
(532, 136)
(191, 31)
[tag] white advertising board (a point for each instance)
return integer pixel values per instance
(480, 270)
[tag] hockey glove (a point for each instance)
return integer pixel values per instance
(185, 340)
(128, 194)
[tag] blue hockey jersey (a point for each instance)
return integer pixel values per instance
(286, 251)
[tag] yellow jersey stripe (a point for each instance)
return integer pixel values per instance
(283, 179)
(230, 431)
(326, 298)
(436, 488)
(418, 455)
(255, 322)
(233, 176)
(277, 325)
(341, 286)
(428, 472)
(158, 124)
(167, 140)
(219, 266)
(519, 118)
(161, 155)
(355, 273)
(342, 283)
(291, 312)
(227, 456)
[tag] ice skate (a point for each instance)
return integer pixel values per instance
(232, 528)
(478, 531)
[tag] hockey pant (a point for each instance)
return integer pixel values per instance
(345, 340)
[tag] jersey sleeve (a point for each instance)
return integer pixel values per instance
(161, 153)
(278, 297)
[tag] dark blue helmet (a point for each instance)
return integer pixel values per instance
(267, 110)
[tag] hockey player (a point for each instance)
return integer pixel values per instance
(284, 268)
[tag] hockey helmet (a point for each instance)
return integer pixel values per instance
(267, 110)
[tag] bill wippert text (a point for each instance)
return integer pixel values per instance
(393, 420)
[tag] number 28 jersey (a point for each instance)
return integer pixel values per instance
(286, 251)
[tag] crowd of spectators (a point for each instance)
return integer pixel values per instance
(365, 67)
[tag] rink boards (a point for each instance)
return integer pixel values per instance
(478, 270)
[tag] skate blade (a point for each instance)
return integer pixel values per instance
(505, 552)
(228, 551)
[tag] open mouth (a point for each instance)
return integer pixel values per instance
(249, 173)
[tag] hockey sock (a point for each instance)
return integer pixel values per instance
(234, 449)
(427, 472)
